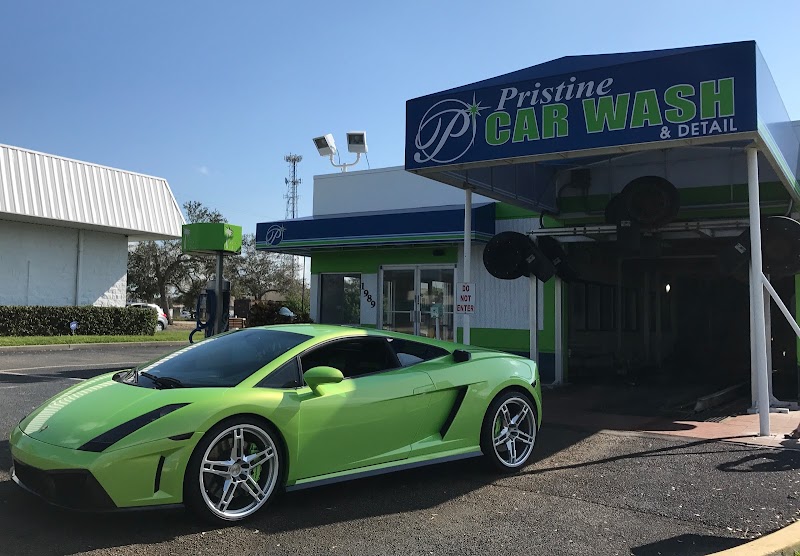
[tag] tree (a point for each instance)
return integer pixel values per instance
(260, 272)
(156, 266)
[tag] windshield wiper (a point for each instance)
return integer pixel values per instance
(163, 381)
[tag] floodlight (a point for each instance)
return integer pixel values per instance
(357, 142)
(325, 145)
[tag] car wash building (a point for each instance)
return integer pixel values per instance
(605, 214)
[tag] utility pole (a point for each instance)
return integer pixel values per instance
(292, 197)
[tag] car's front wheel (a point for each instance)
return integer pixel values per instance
(233, 471)
(509, 431)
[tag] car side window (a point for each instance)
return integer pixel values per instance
(287, 376)
(410, 352)
(354, 357)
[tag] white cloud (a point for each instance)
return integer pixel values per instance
(204, 170)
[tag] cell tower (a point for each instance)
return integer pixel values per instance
(291, 185)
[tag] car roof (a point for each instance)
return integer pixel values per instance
(332, 331)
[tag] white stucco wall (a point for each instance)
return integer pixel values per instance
(39, 266)
(382, 189)
(500, 303)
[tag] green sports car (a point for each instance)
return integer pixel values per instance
(220, 426)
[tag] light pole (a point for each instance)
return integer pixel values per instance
(356, 143)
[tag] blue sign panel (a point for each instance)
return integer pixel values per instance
(587, 102)
(421, 226)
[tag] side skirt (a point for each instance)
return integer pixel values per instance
(323, 480)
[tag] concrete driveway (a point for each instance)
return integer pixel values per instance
(588, 492)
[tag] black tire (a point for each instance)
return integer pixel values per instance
(202, 489)
(160, 326)
(520, 435)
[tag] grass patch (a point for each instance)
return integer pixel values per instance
(166, 336)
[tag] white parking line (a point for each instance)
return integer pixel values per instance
(120, 365)
(47, 377)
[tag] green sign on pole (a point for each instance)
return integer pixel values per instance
(211, 238)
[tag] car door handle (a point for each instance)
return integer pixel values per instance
(423, 389)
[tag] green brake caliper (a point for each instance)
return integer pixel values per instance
(256, 473)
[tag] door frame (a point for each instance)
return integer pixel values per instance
(417, 268)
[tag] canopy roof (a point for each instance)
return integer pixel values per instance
(47, 189)
(508, 137)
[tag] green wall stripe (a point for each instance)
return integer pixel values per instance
(368, 261)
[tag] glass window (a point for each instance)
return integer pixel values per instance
(355, 357)
(340, 299)
(410, 353)
(223, 360)
(287, 376)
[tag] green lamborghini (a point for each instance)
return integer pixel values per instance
(222, 425)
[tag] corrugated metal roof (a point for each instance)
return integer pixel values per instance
(48, 189)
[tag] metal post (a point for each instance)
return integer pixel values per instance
(467, 252)
(559, 332)
(533, 317)
(659, 292)
(756, 292)
(220, 284)
(646, 315)
(620, 307)
(768, 336)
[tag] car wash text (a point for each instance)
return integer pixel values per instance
(682, 110)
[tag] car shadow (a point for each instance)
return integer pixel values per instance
(687, 545)
(766, 461)
(30, 526)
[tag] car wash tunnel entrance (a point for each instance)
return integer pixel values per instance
(660, 178)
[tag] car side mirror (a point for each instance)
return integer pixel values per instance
(317, 376)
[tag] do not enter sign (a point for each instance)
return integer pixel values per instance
(465, 298)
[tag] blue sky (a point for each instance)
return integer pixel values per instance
(212, 95)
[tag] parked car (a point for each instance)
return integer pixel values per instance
(222, 425)
(162, 316)
(186, 314)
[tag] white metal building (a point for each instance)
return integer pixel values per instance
(65, 227)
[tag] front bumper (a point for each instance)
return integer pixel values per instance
(75, 489)
(140, 476)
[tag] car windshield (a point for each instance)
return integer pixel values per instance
(223, 360)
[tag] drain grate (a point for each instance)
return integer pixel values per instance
(717, 419)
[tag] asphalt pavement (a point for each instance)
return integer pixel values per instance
(587, 492)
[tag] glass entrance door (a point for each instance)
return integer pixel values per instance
(419, 300)
(399, 300)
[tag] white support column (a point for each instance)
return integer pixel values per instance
(756, 292)
(467, 254)
(559, 331)
(533, 317)
(753, 365)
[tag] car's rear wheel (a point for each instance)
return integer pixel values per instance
(508, 435)
(160, 326)
(234, 470)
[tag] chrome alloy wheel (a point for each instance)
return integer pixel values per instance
(239, 471)
(513, 432)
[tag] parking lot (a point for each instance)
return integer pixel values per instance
(588, 491)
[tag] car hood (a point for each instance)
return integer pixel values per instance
(86, 410)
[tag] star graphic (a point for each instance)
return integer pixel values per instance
(475, 108)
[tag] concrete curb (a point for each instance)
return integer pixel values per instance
(70, 347)
(783, 542)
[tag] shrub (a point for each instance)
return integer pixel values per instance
(263, 313)
(55, 321)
